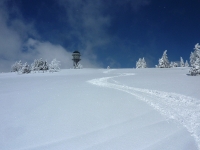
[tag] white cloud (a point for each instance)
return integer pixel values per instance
(48, 52)
(16, 45)
(88, 21)
(10, 41)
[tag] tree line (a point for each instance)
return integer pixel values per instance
(163, 62)
(38, 65)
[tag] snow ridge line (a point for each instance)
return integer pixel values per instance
(184, 109)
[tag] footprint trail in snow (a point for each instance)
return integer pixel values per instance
(184, 109)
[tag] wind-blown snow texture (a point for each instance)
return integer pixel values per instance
(92, 109)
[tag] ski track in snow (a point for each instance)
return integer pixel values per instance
(184, 109)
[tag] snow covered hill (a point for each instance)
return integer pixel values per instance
(100, 109)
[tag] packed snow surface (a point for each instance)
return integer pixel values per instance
(100, 109)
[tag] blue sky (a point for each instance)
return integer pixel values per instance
(106, 32)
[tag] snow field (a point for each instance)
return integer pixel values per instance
(63, 111)
(175, 106)
(184, 109)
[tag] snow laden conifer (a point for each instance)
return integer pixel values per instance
(186, 64)
(192, 58)
(138, 63)
(144, 64)
(141, 63)
(163, 62)
(194, 55)
(195, 61)
(44, 66)
(25, 69)
(17, 66)
(21, 68)
(182, 64)
(195, 70)
(54, 66)
(34, 65)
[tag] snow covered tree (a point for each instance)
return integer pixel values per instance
(195, 70)
(39, 65)
(186, 64)
(138, 63)
(141, 63)
(163, 62)
(195, 61)
(25, 69)
(173, 65)
(144, 64)
(16, 66)
(108, 67)
(54, 66)
(42, 65)
(34, 65)
(192, 58)
(194, 55)
(182, 64)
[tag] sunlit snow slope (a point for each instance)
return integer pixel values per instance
(99, 109)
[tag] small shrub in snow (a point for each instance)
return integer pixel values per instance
(173, 64)
(17, 66)
(195, 61)
(141, 63)
(182, 64)
(54, 66)
(108, 67)
(163, 62)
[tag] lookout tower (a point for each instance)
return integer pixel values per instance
(76, 58)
